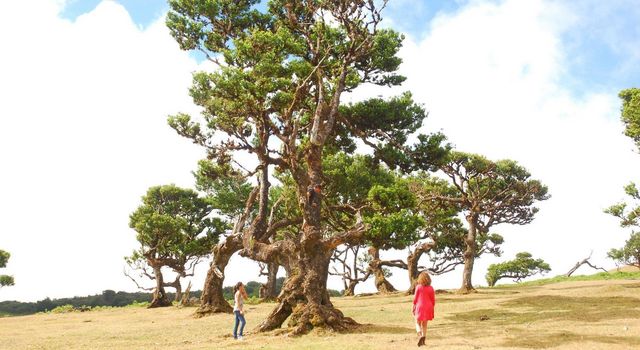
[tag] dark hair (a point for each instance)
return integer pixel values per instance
(237, 287)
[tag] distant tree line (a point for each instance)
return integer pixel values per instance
(107, 298)
(112, 298)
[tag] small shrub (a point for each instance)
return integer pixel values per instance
(253, 300)
(136, 303)
(63, 309)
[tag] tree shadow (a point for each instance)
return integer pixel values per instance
(383, 329)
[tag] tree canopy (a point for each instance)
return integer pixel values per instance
(523, 266)
(488, 193)
(630, 113)
(174, 230)
(5, 280)
(629, 254)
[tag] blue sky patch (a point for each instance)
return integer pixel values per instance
(601, 49)
(143, 12)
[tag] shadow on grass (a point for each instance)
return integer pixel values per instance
(384, 329)
(546, 340)
(551, 307)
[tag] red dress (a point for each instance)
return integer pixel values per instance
(423, 302)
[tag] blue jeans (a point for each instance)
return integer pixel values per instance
(239, 319)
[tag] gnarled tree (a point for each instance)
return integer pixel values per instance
(276, 98)
(523, 266)
(351, 267)
(234, 201)
(174, 231)
(442, 238)
(386, 205)
(488, 193)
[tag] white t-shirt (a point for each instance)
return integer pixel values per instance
(238, 301)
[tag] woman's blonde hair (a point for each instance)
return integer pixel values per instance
(424, 278)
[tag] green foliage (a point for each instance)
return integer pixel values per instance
(393, 222)
(522, 266)
(5, 280)
(489, 193)
(140, 304)
(63, 309)
(443, 224)
(274, 101)
(350, 178)
(503, 187)
(171, 222)
(225, 189)
(631, 113)
(173, 228)
(4, 258)
(630, 253)
(385, 198)
(266, 61)
(628, 218)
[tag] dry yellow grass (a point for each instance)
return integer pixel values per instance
(568, 315)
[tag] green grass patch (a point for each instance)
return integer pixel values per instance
(620, 275)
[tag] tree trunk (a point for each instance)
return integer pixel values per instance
(305, 299)
(304, 295)
(469, 255)
(185, 297)
(178, 288)
(350, 290)
(159, 296)
(212, 300)
(375, 266)
(268, 290)
(412, 264)
(582, 262)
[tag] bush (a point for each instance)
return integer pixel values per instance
(136, 303)
(63, 309)
(630, 253)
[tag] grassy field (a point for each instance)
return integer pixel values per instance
(593, 314)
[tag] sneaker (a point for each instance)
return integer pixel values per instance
(240, 338)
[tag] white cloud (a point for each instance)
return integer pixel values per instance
(83, 134)
(489, 75)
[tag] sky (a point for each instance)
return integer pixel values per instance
(86, 87)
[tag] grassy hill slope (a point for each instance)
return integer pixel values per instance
(572, 314)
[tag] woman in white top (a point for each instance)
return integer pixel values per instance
(239, 295)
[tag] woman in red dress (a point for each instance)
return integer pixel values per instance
(424, 301)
